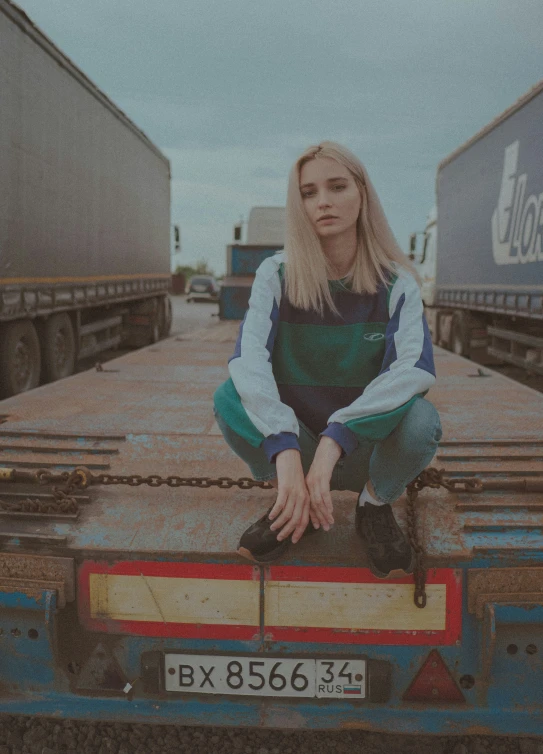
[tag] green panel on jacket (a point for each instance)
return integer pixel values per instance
(228, 404)
(329, 355)
(379, 426)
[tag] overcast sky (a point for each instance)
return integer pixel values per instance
(233, 90)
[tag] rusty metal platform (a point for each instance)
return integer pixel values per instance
(151, 412)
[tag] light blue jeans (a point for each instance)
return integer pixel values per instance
(390, 464)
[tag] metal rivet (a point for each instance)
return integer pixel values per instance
(358, 677)
(171, 671)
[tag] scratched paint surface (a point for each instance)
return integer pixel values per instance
(385, 606)
(158, 598)
(151, 412)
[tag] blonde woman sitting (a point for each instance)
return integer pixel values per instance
(330, 368)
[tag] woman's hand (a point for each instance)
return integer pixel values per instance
(318, 482)
(291, 509)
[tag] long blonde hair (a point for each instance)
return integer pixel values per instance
(308, 270)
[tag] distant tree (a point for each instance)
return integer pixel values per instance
(200, 268)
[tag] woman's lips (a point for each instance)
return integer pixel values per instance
(328, 219)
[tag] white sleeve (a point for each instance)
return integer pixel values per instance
(250, 367)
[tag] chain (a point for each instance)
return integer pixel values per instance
(63, 501)
(201, 482)
(65, 505)
(66, 483)
(82, 478)
(430, 477)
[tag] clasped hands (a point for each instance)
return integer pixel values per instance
(300, 499)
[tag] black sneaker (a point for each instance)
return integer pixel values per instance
(259, 543)
(386, 546)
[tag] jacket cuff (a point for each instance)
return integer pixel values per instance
(342, 435)
(274, 444)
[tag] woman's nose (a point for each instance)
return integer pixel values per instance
(324, 200)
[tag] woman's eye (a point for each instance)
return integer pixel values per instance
(339, 187)
(307, 194)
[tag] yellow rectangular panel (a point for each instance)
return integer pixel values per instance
(353, 606)
(174, 600)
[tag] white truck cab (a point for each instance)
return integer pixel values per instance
(426, 260)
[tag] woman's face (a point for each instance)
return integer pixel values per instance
(330, 195)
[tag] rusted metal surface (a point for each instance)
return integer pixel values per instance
(82, 478)
(35, 573)
(503, 585)
(154, 412)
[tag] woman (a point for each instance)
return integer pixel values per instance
(330, 368)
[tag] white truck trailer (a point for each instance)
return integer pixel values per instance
(84, 216)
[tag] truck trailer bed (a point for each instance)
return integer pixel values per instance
(146, 575)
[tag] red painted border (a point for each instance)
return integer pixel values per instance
(167, 569)
(232, 572)
(453, 621)
(448, 576)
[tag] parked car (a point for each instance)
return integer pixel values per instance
(202, 288)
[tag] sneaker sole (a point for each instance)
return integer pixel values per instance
(248, 555)
(396, 573)
(274, 555)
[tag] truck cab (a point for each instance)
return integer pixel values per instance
(424, 257)
(425, 261)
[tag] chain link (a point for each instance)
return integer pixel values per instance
(63, 501)
(201, 482)
(430, 477)
(81, 478)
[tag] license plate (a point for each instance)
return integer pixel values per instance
(199, 288)
(265, 676)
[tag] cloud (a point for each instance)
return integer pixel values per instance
(234, 91)
(266, 173)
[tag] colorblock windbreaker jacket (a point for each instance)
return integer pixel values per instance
(351, 377)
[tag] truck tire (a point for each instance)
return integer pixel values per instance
(154, 328)
(165, 309)
(58, 348)
(460, 334)
(20, 360)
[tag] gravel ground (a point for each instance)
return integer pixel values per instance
(24, 735)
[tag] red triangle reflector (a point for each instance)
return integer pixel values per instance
(434, 683)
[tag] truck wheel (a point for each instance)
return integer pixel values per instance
(154, 328)
(20, 360)
(58, 348)
(459, 335)
(165, 309)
